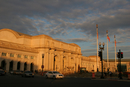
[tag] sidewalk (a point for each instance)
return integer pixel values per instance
(112, 79)
(97, 77)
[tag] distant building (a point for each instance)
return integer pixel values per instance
(125, 65)
(90, 63)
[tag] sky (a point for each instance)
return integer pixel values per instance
(72, 21)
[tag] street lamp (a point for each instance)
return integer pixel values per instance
(101, 57)
(42, 62)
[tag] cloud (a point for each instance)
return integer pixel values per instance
(73, 40)
(111, 51)
(62, 17)
(75, 14)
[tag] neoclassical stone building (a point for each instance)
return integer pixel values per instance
(113, 66)
(20, 51)
(90, 63)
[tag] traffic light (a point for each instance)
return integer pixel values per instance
(121, 54)
(118, 54)
(100, 55)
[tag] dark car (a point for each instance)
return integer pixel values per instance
(28, 74)
(125, 74)
(2, 72)
(12, 71)
(17, 72)
(44, 72)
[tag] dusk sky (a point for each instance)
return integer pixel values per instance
(72, 21)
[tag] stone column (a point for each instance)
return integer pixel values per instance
(14, 65)
(35, 67)
(76, 64)
(21, 66)
(7, 65)
(80, 60)
(46, 60)
(61, 61)
(28, 66)
(0, 54)
(69, 61)
(52, 59)
(0, 61)
(0, 58)
(49, 59)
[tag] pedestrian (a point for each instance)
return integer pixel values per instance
(105, 73)
(110, 73)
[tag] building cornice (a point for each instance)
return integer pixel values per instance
(15, 46)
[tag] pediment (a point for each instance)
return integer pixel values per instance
(10, 36)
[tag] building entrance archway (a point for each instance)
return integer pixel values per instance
(18, 66)
(25, 66)
(3, 65)
(11, 66)
(32, 67)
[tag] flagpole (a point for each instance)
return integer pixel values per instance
(107, 52)
(97, 46)
(115, 50)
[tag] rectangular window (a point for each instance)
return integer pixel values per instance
(11, 55)
(32, 57)
(3, 54)
(19, 56)
(25, 56)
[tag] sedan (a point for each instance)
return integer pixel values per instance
(17, 72)
(54, 74)
(2, 72)
(28, 74)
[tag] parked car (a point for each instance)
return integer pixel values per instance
(125, 74)
(17, 72)
(44, 72)
(28, 74)
(11, 72)
(54, 74)
(2, 72)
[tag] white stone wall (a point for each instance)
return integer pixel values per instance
(18, 43)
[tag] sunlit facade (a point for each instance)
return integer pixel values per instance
(90, 63)
(114, 66)
(19, 51)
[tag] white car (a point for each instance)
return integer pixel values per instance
(54, 74)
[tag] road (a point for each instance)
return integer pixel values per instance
(40, 81)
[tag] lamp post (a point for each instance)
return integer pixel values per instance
(42, 62)
(101, 48)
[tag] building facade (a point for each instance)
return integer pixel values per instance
(22, 52)
(19, 51)
(90, 63)
(114, 66)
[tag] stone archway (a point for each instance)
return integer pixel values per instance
(11, 66)
(18, 65)
(3, 65)
(25, 66)
(31, 67)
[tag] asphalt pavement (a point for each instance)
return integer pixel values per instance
(69, 81)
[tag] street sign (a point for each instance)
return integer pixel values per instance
(42, 66)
